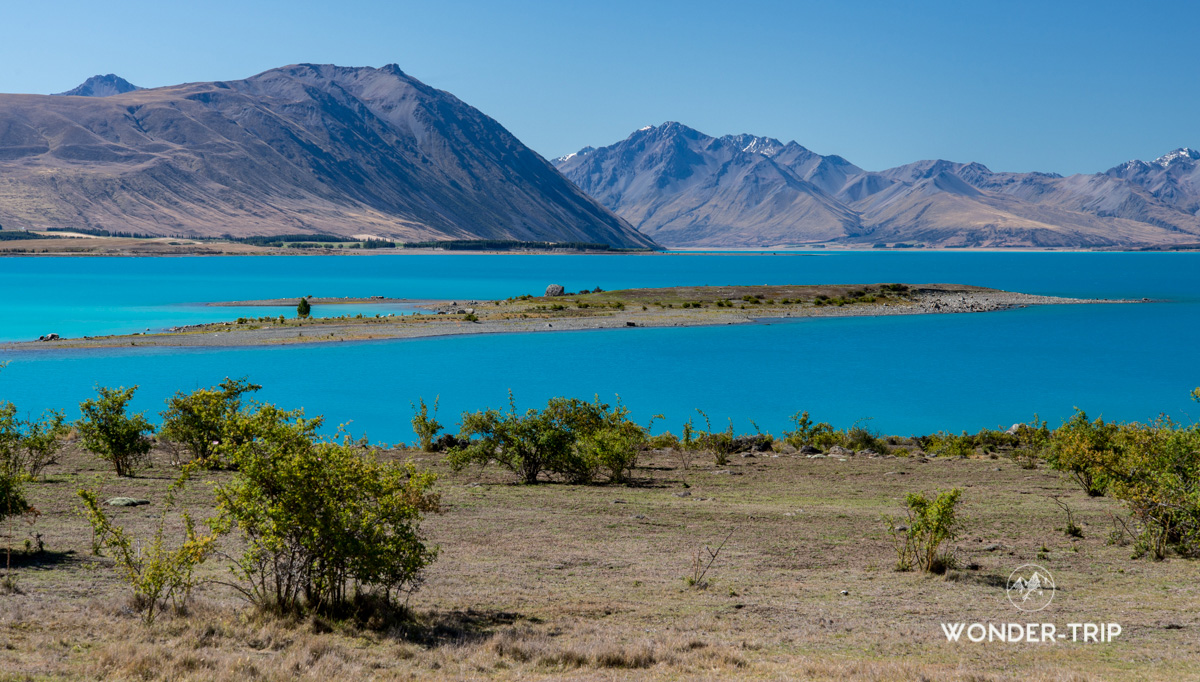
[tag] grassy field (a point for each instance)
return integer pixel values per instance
(558, 581)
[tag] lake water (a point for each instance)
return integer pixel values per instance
(907, 374)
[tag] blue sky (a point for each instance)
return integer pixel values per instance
(1056, 86)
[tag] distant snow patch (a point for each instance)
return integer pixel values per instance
(1177, 155)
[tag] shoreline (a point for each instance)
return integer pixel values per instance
(677, 251)
(318, 300)
(633, 308)
(71, 245)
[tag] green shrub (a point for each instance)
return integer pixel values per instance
(859, 437)
(945, 444)
(1085, 450)
(614, 447)
(27, 447)
(991, 441)
(824, 440)
(1151, 468)
(325, 522)
(918, 538)
(720, 444)
(12, 474)
(424, 426)
(303, 309)
(1154, 472)
(113, 435)
(663, 441)
(806, 430)
(1033, 436)
(200, 420)
(570, 438)
(12, 494)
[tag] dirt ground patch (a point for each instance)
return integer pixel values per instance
(560, 581)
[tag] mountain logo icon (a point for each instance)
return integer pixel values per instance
(1030, 588)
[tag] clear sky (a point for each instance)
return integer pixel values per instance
(1050, 85)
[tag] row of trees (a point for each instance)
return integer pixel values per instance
(325, 522)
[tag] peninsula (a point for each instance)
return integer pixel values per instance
(560, 310)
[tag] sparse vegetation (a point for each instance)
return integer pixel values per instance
(326, 519)
(1071, 529)
(156, 572)
(702, 561)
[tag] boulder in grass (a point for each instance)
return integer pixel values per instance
(555, 290)
(127, 502)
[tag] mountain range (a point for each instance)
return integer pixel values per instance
(299, 149)
(688, 189)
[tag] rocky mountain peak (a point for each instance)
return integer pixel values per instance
(101, 86)
(752, 144)
(1183, 154)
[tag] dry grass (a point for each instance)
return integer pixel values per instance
(588, 582)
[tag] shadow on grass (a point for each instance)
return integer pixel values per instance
(441, 628)
(44, 559)
(987, 579)
(653, 483)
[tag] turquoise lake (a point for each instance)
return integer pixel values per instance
(907, 374)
